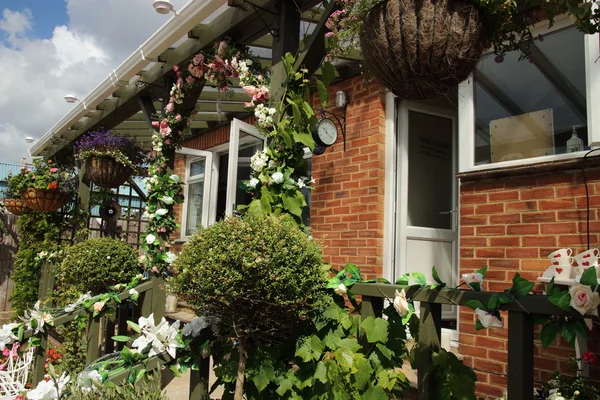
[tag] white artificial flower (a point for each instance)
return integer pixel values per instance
(488, 320)
(584, 299)
(6, 335)
(133, 293)
(301, 183)
(150, 238)
(40, 317)
(253, 182)
(194, 327)
(171, 257)
(162, 211)
(98, 306)
(401, 303)
(167, 200)
(71, 307)
(277, 177)
(341, 289)
(312, 180)
(473, 278)
(175, 178)
(159, 338)
(47, 389)
(86, 379)
(258, 162)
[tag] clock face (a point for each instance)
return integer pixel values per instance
(327, 132)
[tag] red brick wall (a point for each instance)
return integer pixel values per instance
(347, 203)
(511, 225)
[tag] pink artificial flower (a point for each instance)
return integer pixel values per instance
(198, 59)
(250, 90)
(329, 34)
(178, 117)
(155, 124)
(190, 80)
(167, 142)
(155, 270)
(180, 81)
(222, 47)
(53, 170)
(260, 78)
(176, 68)
(170, 108)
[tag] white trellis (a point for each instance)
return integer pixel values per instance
(13, 376)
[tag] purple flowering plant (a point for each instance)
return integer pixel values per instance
(104, 143)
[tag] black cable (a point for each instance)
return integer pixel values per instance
(587, 195)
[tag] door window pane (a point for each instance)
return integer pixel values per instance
(194, 206)
(430, 171)
(526, 109)
(197, 168)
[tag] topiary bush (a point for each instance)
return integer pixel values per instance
(255, 277)
(95, 264)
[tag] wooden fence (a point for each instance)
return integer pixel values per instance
(8, 247)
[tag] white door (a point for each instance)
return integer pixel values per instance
(197, 190)
(427, 200)
(244, 142)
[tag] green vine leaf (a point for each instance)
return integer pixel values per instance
(321, 372)
(549, 333)
(436, 277)
(345, 357)
(590, 278)
(309, 349)
(134, 326)
(561, 299)
(328, 73)
(403, 280)
(375, 393)
(419, 278)
(323, 95)
(474, 304)
(120, 338)
(376, 329)
(521, 287)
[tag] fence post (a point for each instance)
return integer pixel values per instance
(39, 360)
(430, 332)
(371, 307)
(520, 355)
(47, 277)
(159, 297)
(199, 387)
(92, 336)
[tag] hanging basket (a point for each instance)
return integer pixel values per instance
(45, 200)
(420, 49)
(106, 172)
(16, 206)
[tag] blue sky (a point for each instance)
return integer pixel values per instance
(46, 15)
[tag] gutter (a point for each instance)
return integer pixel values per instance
(190, 15)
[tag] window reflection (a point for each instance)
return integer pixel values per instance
(527, 109)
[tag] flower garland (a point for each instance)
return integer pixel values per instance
(219, 67)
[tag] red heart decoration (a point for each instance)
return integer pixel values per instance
(557, 256)
(559, 270)
(587, 256)
(585, 263)
(556, 263)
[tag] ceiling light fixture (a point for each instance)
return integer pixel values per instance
(163, 7)
(71, 99)
(29, 139)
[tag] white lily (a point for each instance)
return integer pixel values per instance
(6, 335)
(488, 320)
(71, 307)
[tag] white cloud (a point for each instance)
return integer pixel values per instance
(37, 73)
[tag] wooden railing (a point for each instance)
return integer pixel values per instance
(520, 329)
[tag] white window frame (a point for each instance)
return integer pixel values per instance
(193, 155)
(466, 108)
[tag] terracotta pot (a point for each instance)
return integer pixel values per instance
(45, 200)
(420, 49)
(106, 172)
(16, 206)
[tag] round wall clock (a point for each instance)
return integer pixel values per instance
(325, 132)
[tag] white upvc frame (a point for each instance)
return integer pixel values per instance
(466, 110)
(193, 155)
(234, 144)
(391, 191)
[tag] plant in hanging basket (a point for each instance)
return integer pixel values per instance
(422, 48)
(12, 197)
(109, 160)
(47, 187)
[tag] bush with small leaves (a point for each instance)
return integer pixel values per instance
(256, 277)
(95, 264)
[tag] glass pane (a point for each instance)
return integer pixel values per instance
(430, 171)
(197, 167)
(245, 153)
(529, 109)
(194, 207)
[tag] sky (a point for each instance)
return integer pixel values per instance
(50, 48)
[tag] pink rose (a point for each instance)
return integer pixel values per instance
(250, 90)
(583, 299)
(329, 34)
(176, 68)
(167, 142)
(155, 124)
(190, 80)
(178, 117)
(170, 108)
(98, 306)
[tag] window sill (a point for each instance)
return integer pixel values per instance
(534, 166)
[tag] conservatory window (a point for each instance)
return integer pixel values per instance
(194, 195)
(530, 109)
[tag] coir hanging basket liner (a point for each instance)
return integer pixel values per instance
(45, 200)
(16, 206)
(420, 49)
(106, 172)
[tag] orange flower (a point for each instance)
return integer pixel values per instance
(52, 185)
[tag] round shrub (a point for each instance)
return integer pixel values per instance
(256, 276)
(95, 264)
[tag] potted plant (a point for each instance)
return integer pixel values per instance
(12, 197)
(109, 160)
(420, 49)
(47, 187)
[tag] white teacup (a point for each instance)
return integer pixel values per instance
(563, 271)
(562, 261)
(584, 259)
(560, 253)
(580, 270)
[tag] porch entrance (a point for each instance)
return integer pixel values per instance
(427, 195)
